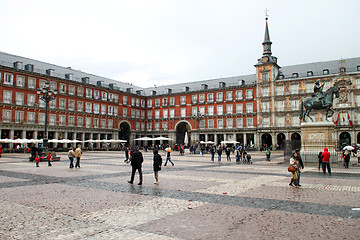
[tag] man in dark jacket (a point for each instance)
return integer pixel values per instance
(157, 165)
(136, 162)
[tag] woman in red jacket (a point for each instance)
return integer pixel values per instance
(326, 161)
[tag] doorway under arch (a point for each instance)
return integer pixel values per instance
(281, 140)
(345, 139)
(266, 141)
(124, 132)
(181, 129)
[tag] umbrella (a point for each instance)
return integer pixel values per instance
(162, 138)
(143, 139)
(168, 149)
(186, 139)
(208, 142)
(350, 148)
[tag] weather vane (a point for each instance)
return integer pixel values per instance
(266, 13)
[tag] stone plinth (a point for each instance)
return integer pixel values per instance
(315, 136)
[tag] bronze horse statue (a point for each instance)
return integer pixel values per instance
(310, 103)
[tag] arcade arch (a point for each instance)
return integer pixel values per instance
(125, 132)
(181, 128)
(345, 139)
(266, 140)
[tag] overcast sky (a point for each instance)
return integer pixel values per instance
(161, 42)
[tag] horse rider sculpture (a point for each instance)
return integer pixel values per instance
(318, 92)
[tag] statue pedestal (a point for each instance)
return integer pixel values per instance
(315, 136)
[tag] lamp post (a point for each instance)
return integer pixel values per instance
(46, 95)
(198, 118)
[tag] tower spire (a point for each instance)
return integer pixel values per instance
(267, 43)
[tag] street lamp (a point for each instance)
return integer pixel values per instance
(198, 118)
(47, 95)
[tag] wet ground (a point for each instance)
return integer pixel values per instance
(196, 199)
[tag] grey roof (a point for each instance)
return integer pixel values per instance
(317, 68)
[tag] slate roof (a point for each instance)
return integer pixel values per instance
(317, 68)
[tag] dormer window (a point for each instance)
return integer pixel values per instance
(326, 71)
(153, 93)
(18, 65)
(50, 72)
(169, 90)
(281, 76)
(129, 90)
(204, 86)
(295, 75)
(342, 69)
(310, 73)
(69, 76)
(358, 67)
(85, 80)
(222, 84)
(186, 89)
(29, 67)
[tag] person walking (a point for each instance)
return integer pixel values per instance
(347, 155)
(168, 158)
(326, 161)
(136, 163)
(300, 165)
(157, 165)
(71, 155)
(37, 160)
(267, 153)
(49, 159)
(294, 164)
(320, 160)
(227, 151)
(219, 152)
(78, 153)
(126, 155)
(237, 154)
(212, 152)
(33, 151)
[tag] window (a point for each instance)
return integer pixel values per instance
(295, 121)
(229, 109)
(96, 123)
(71, 105)
(71, 120)
(279, 106)
(266, 122)
(103, 123)
(125, 100)
(172, 113)
(295, 105)
(53, 85)
(210, 110)
(149, 103)
(157, 126)
(62, 88)
(116, 99)
(52, 103)
(210, 98)
(201, 98)
(31, 82)
(239, 108)
(165, 113)
(229, 123)
(142, 126)
(62, 103)
(110, 110)
(219, 97)
(80, 91)
(88, 107)
(294, 89)
(41, 104)
(41, 118)
(142, 114)
(172, 101)
(309, 87)
(249, 122)
(42, 83)
(7, 95)
(124, 112)
(249, 94)
(19, 116)
(62, 120)
(157, 114)
(96, 108)
(202, 110)
(183, 112)
(110, 123)
(211, 123)
(19, 98)
(194, 111)
(97, 94)
(71, 89)
(165, 125)
(183, 100)
(239, 95)
(88, 122)
(80, 121)
(280, 121)
(249, 107)
(137, 126)
(202, 124)
(265, 76)
(326, 71)
(8, 78)
(103, 109)
(142, 103)
(157, 102)
(52, 119)
(194, 99)
(165, 102)
(104, 96)
(309, 73)
(219, 110)
(150, 114)
(265, 91)
(88, 93)
(239, 122)
(6, 115)
(20, 81)
(149, 126)
(219, 123)
(265, 107)
(133, 102)
(31, 117)
(116, 111)
(229, 96)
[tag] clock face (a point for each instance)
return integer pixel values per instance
(265, 59)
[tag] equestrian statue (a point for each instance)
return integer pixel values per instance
(319, 101)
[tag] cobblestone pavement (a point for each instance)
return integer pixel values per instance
(196, 199)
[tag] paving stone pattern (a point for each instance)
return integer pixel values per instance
(196, 199)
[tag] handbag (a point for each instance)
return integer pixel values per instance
(291, 168)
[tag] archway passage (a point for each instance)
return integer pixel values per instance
(280, 140)
(266, 141)
(181, 129)
(124, 132)
(358, 138)
(345, 139)
(295, 141)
